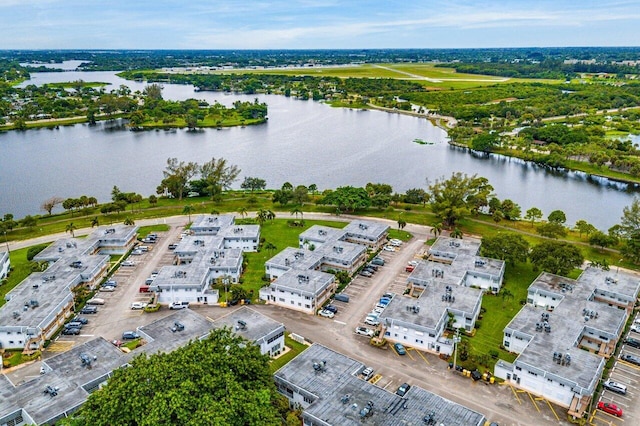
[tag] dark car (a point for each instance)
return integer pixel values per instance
(634, 343)
(89, 310)
(73, 324)
(177, 326)
(233, 302)
(82, 320)
(402, 390)
(71, 331)
(332, 308)
(130, 335)
(399, 348)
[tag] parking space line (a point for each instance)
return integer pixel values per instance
(534, 402)
(409, 353)
(423, 357)
(515, 393)
(340, 322)
(628, 364)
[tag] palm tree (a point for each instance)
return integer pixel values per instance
(437, 229)
(401, 223)
(456, 233)
(71, 229)
(128, 221)
(295, 212)
(188, 209)
(215, 212)
(243, 212)
(261, 216)
(270, 215)
(95, 222)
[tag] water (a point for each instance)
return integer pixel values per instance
(303, 142)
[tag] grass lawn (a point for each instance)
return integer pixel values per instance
(143, 231)
(295, 349)
(499, 310)
(281, 235)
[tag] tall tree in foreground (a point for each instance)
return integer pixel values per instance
(220, 380)
(456, 197)
(509, 247)
(218, 175)
(177, 175)
(50, 203)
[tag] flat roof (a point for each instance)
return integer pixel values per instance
(341, 252)
(255, 327)
(433, 305)
(241, 231)
(327, 377)
(212, 221)
(309, 281)
(469, 246)
(49, 289)
(366, 229)
(321, 233)
(298, 258)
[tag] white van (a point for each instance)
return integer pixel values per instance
(615, 387)
(178, 305)
(143, 249)
(95, 301)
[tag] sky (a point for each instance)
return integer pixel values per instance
(316, 24)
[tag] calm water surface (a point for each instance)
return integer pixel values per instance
(304, 142)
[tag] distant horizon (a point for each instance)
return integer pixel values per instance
(316, 24)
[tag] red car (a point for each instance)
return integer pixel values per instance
(610, 408)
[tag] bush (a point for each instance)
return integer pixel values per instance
(33, 251)
(478, 324)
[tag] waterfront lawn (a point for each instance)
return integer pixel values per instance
(143, 231)
(233, 119)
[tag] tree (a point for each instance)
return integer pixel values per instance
(557, 216)
(29, 221)
(50, 203)
(95, 222)
(347, 198)
(128, 221)
(509, 247)
(631, 248)
(300, 194)
(172, 388)
(602, 240)
(401, 223)
(556, 257)
(287, 186)
(416, 196)
(456, 197)
(533, 214)
(243, 212)
(176, 177)
(456, 233)
(583, 227)
(510, 210)
(116, 194)
(484, 142)
(630, 221)
(218, 175)
(313, 188)
(261, 216)
(436, 229)
(188, 209)
(282, 196)
(253, 184)
(552, 230)
(71, 228)
(153, 200)
(296, 211)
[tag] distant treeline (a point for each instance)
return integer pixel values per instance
(552, 69)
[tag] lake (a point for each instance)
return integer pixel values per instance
(303, 142)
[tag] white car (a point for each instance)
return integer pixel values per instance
(371, 321)
(635, 328)
(128, 263)
(108, 288)
(364, 331)
(413, 263)
(327, 314)
(388, 248)
(378, 309)
(138, 305)
(395, 240)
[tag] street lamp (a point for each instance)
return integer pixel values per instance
(225, 281)
(5, 241)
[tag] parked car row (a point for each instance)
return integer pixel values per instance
(372, 317)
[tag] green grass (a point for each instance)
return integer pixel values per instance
(74, 84)
(280, 234)
(208, 121)
(11, 359)
(143, 231)
(499, 311)
(296, 348)
(131, 344)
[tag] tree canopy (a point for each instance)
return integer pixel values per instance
(220, 380)
(347, 198)
(509, 247)
(556, 257)
(456, 197)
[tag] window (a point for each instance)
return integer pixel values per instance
(518, 368)
(506, 344)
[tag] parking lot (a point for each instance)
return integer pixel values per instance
(627, 374)
(116, 315)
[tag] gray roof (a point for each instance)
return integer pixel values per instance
(334, 377)
(455, 246)
(256, 326)
(304, 281)
(297, 258)
(241, 231)
(433, 307)
(50, 289)
(366, 230)
(211, 224)
(321, 233)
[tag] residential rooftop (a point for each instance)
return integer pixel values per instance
(250, 324)
(329, 379)
(455, 246)
(305, 281)
(211, 224)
